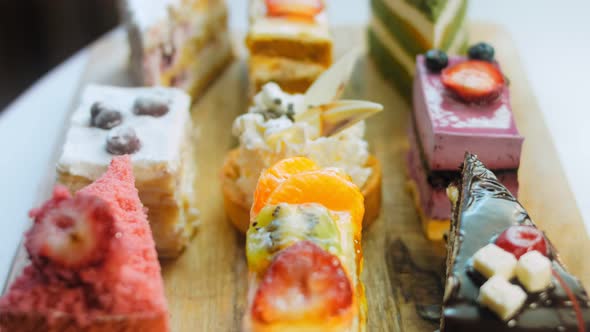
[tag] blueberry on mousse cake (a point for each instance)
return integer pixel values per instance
(316, 125)
(93, 268)
(401, 29)
(177, 43)
(503, 274)
(289, 43)
(307, 278)
(460, 104)
(153, 126)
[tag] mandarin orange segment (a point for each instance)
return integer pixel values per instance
(331, 188)
(275, 175)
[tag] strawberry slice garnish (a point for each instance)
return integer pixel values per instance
(306, 9)
(70, 233)
(304, 282)
(520, 239)
(474, 80)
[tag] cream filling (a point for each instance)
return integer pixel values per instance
(208, 60)
(458, 41)
(432, 32)
(394, 48)
(265, 141)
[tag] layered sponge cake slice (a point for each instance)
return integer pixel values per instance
(402, 29)
(178, 43)
(289, 43)
(93, 266)
(153, 126)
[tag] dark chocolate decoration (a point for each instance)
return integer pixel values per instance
(104, 117)
(123, 140)
(484, 210)
(150, 106)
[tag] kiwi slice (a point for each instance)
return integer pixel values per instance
(278, 226)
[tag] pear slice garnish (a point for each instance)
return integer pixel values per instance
(330, 85)
(334, 117)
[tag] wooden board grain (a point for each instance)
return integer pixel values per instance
(206, 286)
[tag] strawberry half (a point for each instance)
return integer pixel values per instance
(474, 80)
(304, 282)
(70, 232)
(306, 9)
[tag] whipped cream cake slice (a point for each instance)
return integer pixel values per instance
(401, 29)
(289, 43)
(460, 104)
(503, 273)
(153, 126)
(177, 43)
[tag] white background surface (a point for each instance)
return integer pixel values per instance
(553, 40)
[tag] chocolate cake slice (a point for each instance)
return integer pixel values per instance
(503, 274)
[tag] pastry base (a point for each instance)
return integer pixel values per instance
(434, 229)
(238, 211)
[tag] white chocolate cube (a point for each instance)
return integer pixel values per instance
(501, 297)
(492, 260)
(534, 271)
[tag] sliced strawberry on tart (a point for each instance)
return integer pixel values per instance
(303, 250)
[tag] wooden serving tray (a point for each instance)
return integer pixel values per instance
(206, 287)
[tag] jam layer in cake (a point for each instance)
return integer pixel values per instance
(503, 274)
(94, 266)
(448, 126)
(153, 126)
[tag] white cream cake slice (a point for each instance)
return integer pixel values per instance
(153, 126)
(179, 43)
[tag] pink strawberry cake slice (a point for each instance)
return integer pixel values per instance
(93, 266)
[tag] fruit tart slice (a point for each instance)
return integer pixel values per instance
(93, 266)
(317, 125)
(304, 251)
(503, 274)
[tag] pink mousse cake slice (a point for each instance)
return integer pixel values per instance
(93, 266)
(429, 190)
(448, 127)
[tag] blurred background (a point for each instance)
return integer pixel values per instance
(37, 35)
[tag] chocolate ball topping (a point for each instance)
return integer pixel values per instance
(104, 117)
(150, 106)
(123, 140)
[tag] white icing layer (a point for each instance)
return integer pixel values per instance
(432, 32)
(84, 152)
(263, 142)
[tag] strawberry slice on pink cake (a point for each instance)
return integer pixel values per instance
(93, 266)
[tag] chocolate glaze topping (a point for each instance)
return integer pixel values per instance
(484, 209)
